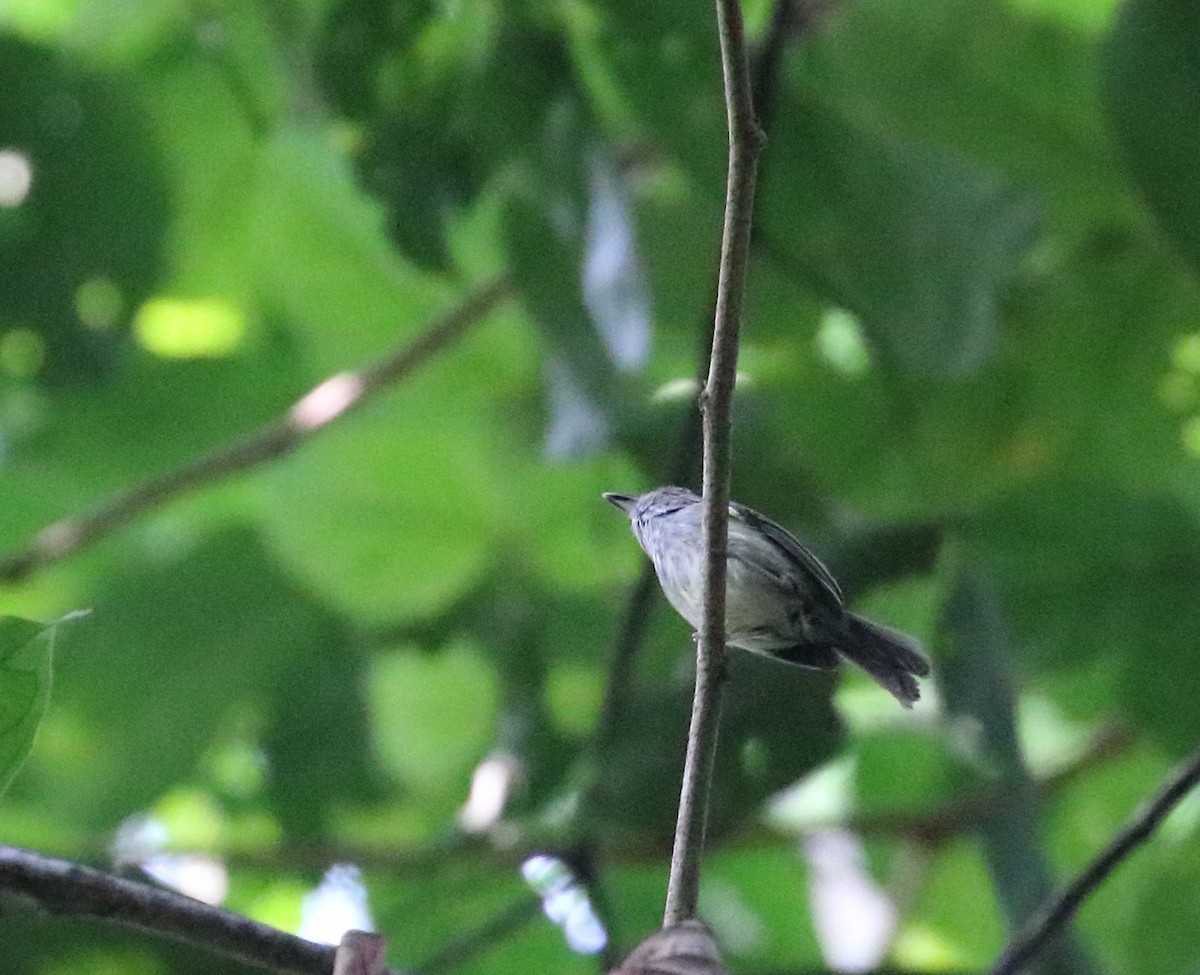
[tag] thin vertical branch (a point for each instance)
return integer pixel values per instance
(745, 144)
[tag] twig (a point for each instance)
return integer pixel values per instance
(74, 890)
(745, 144)
(485, 935)
(326, 402)
(1060, 909)
(620, 669)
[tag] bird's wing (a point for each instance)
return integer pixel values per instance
(788, 545)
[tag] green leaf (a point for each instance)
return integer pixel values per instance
(546, 264)
(424, 911)
(1127, 918)
(385, 520)
(919, 244)
(761, 890)
(95, 212)
(320, 255)
(1107, 586)
(902, 771)
(1151, 65)
(1162, 936)
(998, 83)
(177, 648)
(975, 679)
(777, 725)
(956, 923)
(652, 72)
(164, 413)
(318, 743)
(25, 654)
(434, 719)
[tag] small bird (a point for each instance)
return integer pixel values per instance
(780, 600)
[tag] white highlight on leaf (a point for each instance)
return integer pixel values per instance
(491, 785)
(327, 401)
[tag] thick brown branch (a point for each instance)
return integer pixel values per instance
(745, 143)
(319, 407)
(70, 889)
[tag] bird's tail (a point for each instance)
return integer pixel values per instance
(892, 658)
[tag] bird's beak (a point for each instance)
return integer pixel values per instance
(622, 501)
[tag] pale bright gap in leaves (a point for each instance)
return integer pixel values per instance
(338, 904)
(1051, 742)
(492, 783)
(16, 177)
(854, 920)
(823, 797)
(677, 390)
(867, 707)
(566, 903)
(332, 398)
(141, 841)
(616, 295)
(1182, 824)
(614, 282)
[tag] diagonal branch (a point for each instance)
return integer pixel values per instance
(322, 405)
(74, 890)
(745, 144)
(483, 936)
(1050, 920)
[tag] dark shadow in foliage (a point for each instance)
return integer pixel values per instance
(434, 133)
(777, 725)
(94, 216)
(317, 744)
(1151, 66)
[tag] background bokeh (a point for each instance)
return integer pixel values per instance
(970, 377)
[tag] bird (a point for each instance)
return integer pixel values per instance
(780, 599)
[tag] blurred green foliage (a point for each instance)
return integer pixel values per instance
(970, 375)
